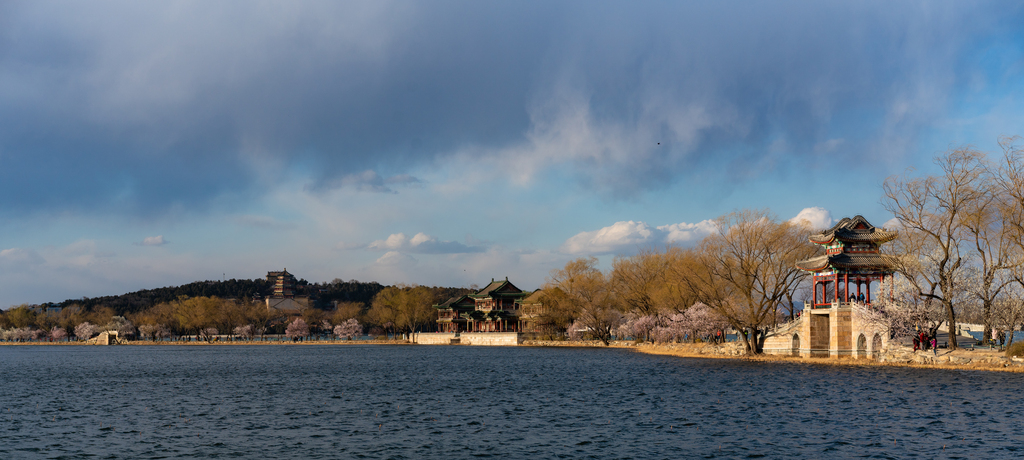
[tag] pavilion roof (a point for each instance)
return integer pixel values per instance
(533, 297)
(855, 230)
(450, 303)
(491, 289)
(848, 261)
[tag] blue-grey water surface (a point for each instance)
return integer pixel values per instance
(452, 402)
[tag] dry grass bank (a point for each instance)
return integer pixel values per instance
(963, 360)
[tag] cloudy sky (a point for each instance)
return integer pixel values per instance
(148, 144)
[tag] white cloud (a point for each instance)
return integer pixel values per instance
(684, 232)
(20, 256)
(154, 241)
(395, 258)
(628, 236)
(816, 218)
(614, 238)
(421, 243)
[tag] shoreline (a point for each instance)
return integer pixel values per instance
(980, 360)
(961, 360)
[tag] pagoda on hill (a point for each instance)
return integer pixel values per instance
(852, 257)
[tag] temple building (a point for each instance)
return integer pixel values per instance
(852, 259)
(842, 277)
(282, 284)
(498, 307)
(282, 292)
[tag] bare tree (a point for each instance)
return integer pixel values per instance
(746, 269)
(581, 288)
(1009, 310)
(637, 281)
(992, 224)
(934, 210)
(404, 308)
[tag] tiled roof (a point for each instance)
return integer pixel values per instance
(450, 302)
(494, 286)
(533, 298)
(846, 230)
(849, 261)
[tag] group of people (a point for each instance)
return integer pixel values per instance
(857, 297)
(924, 342)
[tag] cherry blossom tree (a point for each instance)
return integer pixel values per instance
(349, 329)
(123, 326)
(638, 327)
(246, 332)
(85, 331)
(208, 334)
(58, 333)
(154, 331)
(701, 321)
(297, 329)
(902, 310)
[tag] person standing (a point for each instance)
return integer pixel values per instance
(935, 351)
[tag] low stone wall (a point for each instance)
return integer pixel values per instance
(434, 338)
(490, 338)
(470, 338)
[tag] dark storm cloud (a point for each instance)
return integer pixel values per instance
(146, 107)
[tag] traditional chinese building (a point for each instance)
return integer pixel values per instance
(495, 308)
(852, 261)
(282, 284)
(831, 323)
(282, 292)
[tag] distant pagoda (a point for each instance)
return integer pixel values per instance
(852, 255)
(283, 284)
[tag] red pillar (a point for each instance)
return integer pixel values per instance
(868, 295)
(846, 286)
(835, 291)
(814, 291)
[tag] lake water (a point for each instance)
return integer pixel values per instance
(452, 402)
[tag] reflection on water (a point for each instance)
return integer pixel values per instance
(458, 402)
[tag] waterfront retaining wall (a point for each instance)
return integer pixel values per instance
(470, 338)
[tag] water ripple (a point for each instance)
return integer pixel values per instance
(481, 402)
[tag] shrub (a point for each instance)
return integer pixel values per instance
(1015, 349)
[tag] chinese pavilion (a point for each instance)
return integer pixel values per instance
(852, 258)
(831, 325)
(495, 308)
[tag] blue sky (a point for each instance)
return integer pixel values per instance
(149, 144)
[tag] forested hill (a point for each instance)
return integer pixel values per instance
(325, 294)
